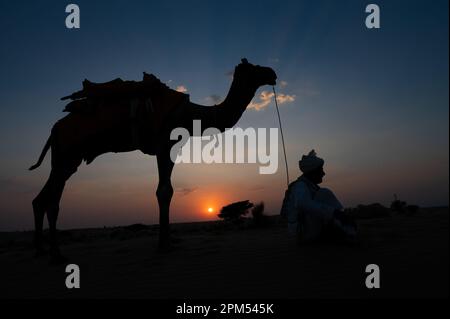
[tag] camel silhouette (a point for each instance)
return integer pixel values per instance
(123, 116)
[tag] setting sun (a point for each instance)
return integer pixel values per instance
(210, 210)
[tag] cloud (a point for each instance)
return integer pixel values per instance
(309, 92)
(186, 190)
(284, 98)
(16, 184)
(213, 99)
(181, 88)
(283, 84)
(230, 74)
(257, 188)
(265, 98)
(274, 60)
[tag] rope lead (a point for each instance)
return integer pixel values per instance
(282, 136)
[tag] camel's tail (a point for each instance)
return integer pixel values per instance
(44, 152)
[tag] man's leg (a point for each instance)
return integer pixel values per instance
(341, 227)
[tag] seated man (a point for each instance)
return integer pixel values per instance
(312, 212)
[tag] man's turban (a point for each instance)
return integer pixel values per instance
(310, 162)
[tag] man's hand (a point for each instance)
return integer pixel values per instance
(344, 217)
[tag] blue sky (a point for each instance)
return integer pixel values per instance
(373, 103)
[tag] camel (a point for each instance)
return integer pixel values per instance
(103, 124)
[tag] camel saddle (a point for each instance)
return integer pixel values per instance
(116, 88)
(144, 105)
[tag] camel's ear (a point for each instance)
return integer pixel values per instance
(244, 61)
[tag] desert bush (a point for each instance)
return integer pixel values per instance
(375, 210)
(235, 211)
(398, 205)
(258, 214)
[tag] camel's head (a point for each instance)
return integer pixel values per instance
(254, 74)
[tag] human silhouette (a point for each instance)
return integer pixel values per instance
(314, 213)
(123, 116)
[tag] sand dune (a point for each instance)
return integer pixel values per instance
(217, 260)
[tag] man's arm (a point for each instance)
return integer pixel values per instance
(289, 211)
(306, 204)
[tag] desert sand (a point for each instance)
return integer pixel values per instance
(221, 260)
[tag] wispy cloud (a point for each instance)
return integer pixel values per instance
(181, 88)
(309, 92)
(274, 60)
(213, 99)
(283, 84)
(186, 190)
(16, 185)
(265, 98)
(258, 188)
(230, 74)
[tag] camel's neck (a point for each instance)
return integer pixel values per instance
(238, 98)
(226, 114)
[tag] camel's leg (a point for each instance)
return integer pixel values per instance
(164, 194)
(39, 208)
(47, 201)
(52, 214)
(58, 178)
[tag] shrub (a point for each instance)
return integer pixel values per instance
(235, 211)
(258, 214)
(398, 205)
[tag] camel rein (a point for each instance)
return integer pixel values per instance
(282, 136)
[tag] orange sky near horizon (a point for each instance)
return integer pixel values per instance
(120, 189)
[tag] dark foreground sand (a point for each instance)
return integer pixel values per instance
(216, 260)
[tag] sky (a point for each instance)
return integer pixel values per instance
(372, 102)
